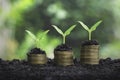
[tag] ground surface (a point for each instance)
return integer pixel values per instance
(20, 70)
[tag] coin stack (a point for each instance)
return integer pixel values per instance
(89, 54)
(63, 58)
(37, 58)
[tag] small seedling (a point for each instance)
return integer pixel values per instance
(37, 39)
(67, 32)
(90, 30)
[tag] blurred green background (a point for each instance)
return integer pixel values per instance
(36, 15)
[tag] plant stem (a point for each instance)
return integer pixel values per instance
(37, 43)
(63, 39)
(90, 35)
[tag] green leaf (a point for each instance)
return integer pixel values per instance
(43, 34)
(83, 25)
(58, 30)
(31, 34)
(95, 26)
(46, 32)
(67, 32)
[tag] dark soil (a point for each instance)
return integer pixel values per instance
(20, 70)
(36, 51)
(63, 47)
(89, 42)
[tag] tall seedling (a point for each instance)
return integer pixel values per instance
(90, 30)
(66, 33)
(37, 39)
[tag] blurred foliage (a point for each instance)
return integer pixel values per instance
(47, 43)
(110, 50)
(19, 15)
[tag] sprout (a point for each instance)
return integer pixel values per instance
(90, 30)
(67, 32)
(37, 39)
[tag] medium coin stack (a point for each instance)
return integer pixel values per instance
(63, 58)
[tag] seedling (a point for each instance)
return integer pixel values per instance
(37, 39)
(66, 33)
(90, 30)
